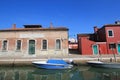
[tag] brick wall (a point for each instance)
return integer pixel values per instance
(38, 36)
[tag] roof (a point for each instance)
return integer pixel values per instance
(31, 28)
(84, 35)
(117, 23)
(110, 25)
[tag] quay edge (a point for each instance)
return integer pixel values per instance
(28, 61)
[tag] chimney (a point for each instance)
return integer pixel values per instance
(51, 25)
(14, 26)
(95, 29)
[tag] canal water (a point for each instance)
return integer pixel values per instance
(76, 73)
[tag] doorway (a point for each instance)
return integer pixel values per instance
(95, 49)
(31, 46)
(118, 48)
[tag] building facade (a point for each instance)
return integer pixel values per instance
(73, 46)
(34, 40)
(104, 40)
(73, 43)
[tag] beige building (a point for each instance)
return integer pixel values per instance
(34, 40)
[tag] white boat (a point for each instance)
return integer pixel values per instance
(103, 64)
(52, 64)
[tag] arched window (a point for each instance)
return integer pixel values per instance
(58, 44)
(44, 44)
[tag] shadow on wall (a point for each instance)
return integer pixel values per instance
(73, 51)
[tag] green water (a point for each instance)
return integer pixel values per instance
(76, 73)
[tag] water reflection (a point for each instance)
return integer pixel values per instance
(105, 74)
(32, 73)
(76, 73)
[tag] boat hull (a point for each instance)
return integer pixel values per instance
(52, 64)
(103, 64)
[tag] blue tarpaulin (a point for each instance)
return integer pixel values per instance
(56, 61)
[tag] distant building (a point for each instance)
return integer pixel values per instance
(104, 40)
(33, 40)
(73, 46)
(73, 43)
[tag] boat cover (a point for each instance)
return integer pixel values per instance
(56, 61)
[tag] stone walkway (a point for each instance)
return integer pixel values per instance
(80, 59)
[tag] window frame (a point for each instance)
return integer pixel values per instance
(46, 45)
(17, 45)
(112, 46)
(59, 45)
(3, 45)
(112, 33)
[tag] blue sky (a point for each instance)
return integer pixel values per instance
(80, 16)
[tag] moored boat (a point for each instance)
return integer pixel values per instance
(52, 64)
(104, 64)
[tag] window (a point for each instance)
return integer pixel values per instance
(112, 46)
(18, 46)
(4, 46)
(44, 44)
(58, 44)
(110, 33)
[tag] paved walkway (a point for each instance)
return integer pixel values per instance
(75, 57)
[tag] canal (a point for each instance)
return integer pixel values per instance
(76, 73)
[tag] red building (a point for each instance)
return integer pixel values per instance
(104, 40)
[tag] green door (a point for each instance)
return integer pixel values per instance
(118, 48)
(31, 46)
(95, 50)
